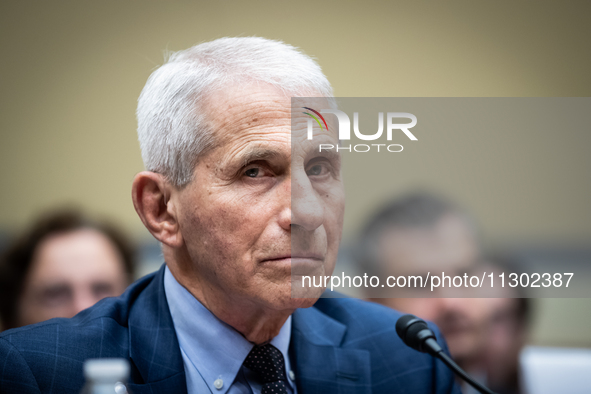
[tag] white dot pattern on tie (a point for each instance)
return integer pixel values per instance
(267, 361)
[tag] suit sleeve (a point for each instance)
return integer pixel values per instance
(15, 374)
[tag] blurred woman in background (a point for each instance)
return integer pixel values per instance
(63, 264)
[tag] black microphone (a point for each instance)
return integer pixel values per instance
(416, 334)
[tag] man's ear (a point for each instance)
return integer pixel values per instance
(151, 199)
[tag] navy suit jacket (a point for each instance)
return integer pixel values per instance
(338, 346)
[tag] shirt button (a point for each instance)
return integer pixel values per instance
(218, 384)
(292, 375)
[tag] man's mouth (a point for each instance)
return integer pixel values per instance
(301, 263)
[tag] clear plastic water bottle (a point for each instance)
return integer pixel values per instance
(106, 376)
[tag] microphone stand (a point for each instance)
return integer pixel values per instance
(456, 368)
(415, 333)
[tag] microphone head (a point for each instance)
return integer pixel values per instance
(414, 332)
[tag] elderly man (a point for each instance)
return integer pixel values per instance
(238, 208)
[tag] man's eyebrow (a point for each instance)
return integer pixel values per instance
(331, 155)
(254, 154)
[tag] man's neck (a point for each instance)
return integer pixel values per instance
(257, 324)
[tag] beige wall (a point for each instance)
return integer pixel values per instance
(71, 73)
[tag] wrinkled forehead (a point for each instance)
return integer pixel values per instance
(246, 105)
(263, 110)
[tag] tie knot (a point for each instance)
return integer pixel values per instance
(267, 361)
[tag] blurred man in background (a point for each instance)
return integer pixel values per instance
(63, 264)
(423, 233)
(508, 332)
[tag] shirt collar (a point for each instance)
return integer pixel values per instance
(216, 349)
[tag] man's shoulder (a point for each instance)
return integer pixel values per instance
(369, 321)
(361, 315)
(366, 327)
(363, 319)
(59, 347)
(350, 310)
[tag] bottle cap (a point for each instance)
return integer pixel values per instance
(106, 369)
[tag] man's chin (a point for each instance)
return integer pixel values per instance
(290, 294)
(303, 302)
(304, 293)
(290, 303)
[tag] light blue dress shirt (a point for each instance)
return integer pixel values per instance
(213, 352)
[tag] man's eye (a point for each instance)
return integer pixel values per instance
(252, 172)
(317, 169)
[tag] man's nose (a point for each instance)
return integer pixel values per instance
(307, 210)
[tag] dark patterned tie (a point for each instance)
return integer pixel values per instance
(267, 361)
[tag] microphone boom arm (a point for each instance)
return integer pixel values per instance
(415, 333)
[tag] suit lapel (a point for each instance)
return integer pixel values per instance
(157, 364)
(321, 364)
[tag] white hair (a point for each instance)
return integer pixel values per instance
(172, 125)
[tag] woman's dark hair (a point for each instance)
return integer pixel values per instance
(16, 259)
